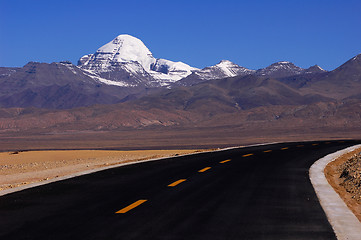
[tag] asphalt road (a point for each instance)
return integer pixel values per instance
(261, 192)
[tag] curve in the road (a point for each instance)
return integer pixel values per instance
(259, 192)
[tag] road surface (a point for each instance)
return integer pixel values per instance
(260, 192)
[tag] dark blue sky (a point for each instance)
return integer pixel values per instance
(253, 34)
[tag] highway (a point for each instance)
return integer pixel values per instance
(259, 192)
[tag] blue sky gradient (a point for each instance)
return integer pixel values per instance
(253, 34)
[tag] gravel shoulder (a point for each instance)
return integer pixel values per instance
(342, 219)
(344, 175)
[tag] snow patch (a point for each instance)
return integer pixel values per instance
(321, 68)
(283, 62)
(106, 81)
(356, 57)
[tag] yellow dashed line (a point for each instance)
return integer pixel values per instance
(267, 151)
(247, 155)
(315, 144)
(176, 183)
(300, 145)
(284, 148)
(228, 160)
(131, 206)
(204, 169)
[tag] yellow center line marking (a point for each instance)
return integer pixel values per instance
(131, 206)
(315, 144)
(341, 141)
(204, 169)
(267, 151)
(284, 148)
(300, 145)
(247, 155)
(228, 160)
(176, 182)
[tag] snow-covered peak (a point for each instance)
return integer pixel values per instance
(129, 54)
(126, 48)
(225, 63)
(224, 68)
(122, 49)
(320, 68)
(166, 71)
(283, 62)
(314, 69)
(166, 66)
(230, 69)
(280, 69)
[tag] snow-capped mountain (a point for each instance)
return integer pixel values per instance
(126, 61)
(286, 69)
(126, 58)
(125, 69)
(223, 69)
(280, 69)
(314, 69)
(227, 68)
(164, 69)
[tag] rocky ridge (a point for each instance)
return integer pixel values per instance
(285, 69)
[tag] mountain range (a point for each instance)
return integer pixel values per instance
(121, 70)
(122, 86)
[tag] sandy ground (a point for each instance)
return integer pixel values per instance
(332, 173)
(20, 168)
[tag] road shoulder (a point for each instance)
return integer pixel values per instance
(343, 221)
(344, 176)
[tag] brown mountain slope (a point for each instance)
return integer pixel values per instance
(124, 116)
(56, 85)
(234, 101)
(343, 82)
(230, 94)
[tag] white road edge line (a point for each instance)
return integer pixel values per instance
(344, 223)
